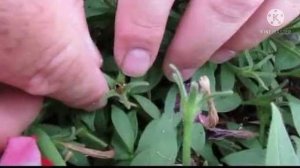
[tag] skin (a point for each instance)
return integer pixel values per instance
(46, 49)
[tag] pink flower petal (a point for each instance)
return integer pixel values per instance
(21, 151)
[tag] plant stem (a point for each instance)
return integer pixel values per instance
(187, 138)
(82, 132)
(188, 118)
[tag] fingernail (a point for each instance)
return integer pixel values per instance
(188, 73)
(222, 55)
(136, 62)
(97, 105)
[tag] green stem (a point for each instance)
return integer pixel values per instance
(188, 119)
(263, 115)
(82, 132)
(187, 139)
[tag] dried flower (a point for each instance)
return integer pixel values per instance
(218, 133)
(212, 118)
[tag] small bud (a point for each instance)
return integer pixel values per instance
(204, 84)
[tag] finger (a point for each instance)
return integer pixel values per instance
(257, 28)
(140, 26)
(74, 78)
(204, 27)
(17, 112)
(53, 55)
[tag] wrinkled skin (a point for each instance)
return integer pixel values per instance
(46, 49)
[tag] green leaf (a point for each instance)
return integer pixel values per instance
(287, 56)
(294, 104)
(52, 130)
(158, 144)
(120, 148)
(250, 143)
(253, 157)
(123, 127)
(208, 154)
(227, 78)
(198, 137)
(170, 103)
(48, 148)
(293, 73)
(101, 121)
(251, 86)
(153, 77)
(77, 159)
(280, 150)
(269, 68)
(133, 85)
(134, 122)
(226, 103)
(110, 64)
(227, 146)
(110, 81)
(96, 7)
(171, 100)
(297, 144)
(153, 157)
(88, 119)
(147, 105)
(57, 132)
(91, 140)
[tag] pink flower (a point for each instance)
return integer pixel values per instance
(21, 151)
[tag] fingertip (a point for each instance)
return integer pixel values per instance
(136, 62)
(97, 104)
(98, 96)
(139, 32)
(222, 56)
(186, 73)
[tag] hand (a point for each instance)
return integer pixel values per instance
(46, 49)
(212, 30)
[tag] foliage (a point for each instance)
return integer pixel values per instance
(143, 123)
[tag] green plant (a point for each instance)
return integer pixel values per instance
(247, 116)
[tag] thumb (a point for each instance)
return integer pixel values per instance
(75, 79)
(54, 55)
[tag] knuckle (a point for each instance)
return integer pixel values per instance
(49, 71)
(146, 18)
(149, 21)
(37, 85)
(143, 37)
(143, 28)
(233, 10)
(140, 27)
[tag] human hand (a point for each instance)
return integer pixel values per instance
(212, 30)
(46, 49)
